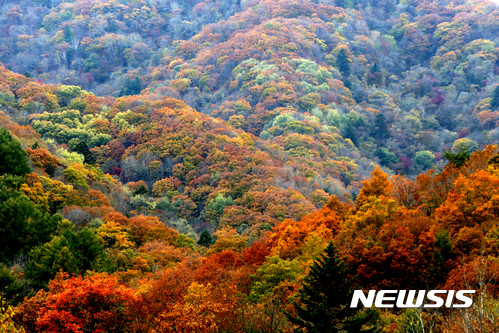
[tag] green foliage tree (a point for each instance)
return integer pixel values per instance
(22, 224)
(13, 159)
(325, 297)
(67, 93)
(216, 206)
(424, 159)
(69, 251)
(68, 32)
(131, 87)
(459, 158)
(309, 101)
(74, 177)
(10, 287)
(343, 63)
(495, 98)
(465, 144)
(344, 3)
(463, 149)
(442, 253)
(48, 259)
(273, 272)
(82, 148)
(112, 27)
(142, 190)
(386, 157)
(350, 133)
(85, 245)
(380, 130)
(374, 68)
(205, 239)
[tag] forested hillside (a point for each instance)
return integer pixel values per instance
(207, 166)
(401, 80)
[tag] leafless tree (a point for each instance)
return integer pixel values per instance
(483, 315)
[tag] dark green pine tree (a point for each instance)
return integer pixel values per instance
(72, 252)
(142, 190)
(48, 259)
(495, 98)
(135, 86)
(459, 158)
(351, 133)
(82, 148)
(13, 159)
(343, 3)
(85, 246)
(10, 287)
(325, 298)
(205, 239)
(22, 224)
(131, 87)
(67, 33)
(494, 161)
(112, 26)
(374, 68)
(380, 130)
(343, 63)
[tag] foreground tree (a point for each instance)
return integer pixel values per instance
(324, 299)
(97, 303)
(13, 159)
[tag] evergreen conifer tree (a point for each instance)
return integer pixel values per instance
(351, 133)
(325, 297)
(82, 148)
(131, 87)
(380, 130)
(13, 159)
(205, 239)
(142, 190)
(459, 158)
(343, 63)
(495, 98)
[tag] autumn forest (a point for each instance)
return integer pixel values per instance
(244, 165)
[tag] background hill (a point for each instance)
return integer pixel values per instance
(401, 81)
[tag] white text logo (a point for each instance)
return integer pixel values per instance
(408, 299)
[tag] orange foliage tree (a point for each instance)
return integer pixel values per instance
(97, 303)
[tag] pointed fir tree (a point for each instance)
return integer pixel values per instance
(380, 130)
(460, 157)
(135, 86)
(343, 63)
(374, 68)
(495, 97)
(351, 133)
(142, 190)
(68, 33)
(13, 159)
(205, 239)
(82, 148)
(131, 87)
(325, 298)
